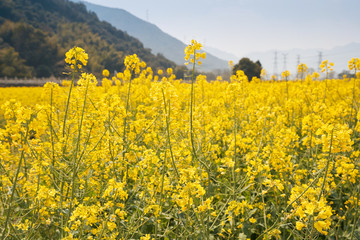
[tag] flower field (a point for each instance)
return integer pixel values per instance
(148, 156)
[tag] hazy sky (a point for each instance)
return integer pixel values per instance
(243, 26)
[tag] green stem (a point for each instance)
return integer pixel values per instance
(353, 102)
(68, 100)
(167, 116)
(235, 140)
(51, 132)
(327, 74)
(157, 225)
(193, 155)
(75, 162)
(327, 166)
(277, 221)
(264, 210)
(14, 187)
(356, 217)
(125, 119)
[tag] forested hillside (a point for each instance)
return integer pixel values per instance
(35, 34)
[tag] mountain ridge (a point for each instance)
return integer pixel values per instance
(150, 35)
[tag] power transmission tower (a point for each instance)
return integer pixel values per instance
(298, 63)
(320, 60)
(298, 60)
(275, 64)
(285, 55)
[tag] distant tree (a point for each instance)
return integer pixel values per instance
(11, 65)
(33, 45)
(180, 72)
(347, 73)
(210, 76)
(250, 68)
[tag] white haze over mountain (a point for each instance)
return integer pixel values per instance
(231, 29)
(151, 36)
(243, 26)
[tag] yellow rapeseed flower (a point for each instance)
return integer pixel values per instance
(191, 52)
(285, 74)
(75, 56)
(326, 66)
(105, 73)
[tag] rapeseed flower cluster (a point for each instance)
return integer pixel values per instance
(302, 70)
(354, 64)
(192, 52)
(76, 57)
(124, 159)
(285, 75)
(326, 66)
(133, 63)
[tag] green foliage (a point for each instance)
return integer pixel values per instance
(34, 46)
(80, 34)
(11, 65)
(250, 68)
(40, 32)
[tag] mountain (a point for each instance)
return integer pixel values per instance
(35, 34)
(151, 36)
(221, 54)
(339, 55)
